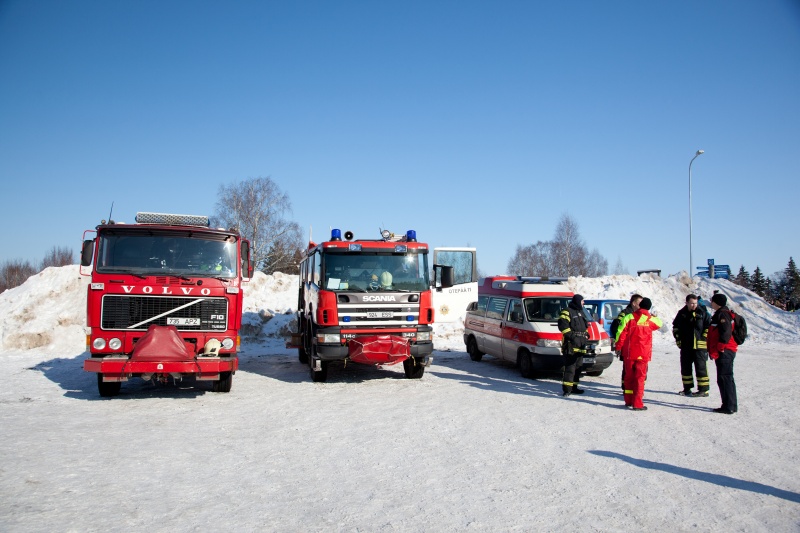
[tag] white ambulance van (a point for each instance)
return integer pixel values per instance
(516, 319)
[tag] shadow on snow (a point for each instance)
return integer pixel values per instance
(716, 479)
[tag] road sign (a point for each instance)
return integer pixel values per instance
(710, 262)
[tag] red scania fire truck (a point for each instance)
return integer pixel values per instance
(165, 300)
(367, 301)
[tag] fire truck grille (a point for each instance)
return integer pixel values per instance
(398, 315)
(137, 313)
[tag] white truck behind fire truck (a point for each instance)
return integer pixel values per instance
(165, 300)
(367, 301)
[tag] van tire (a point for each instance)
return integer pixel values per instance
(472, 350)
(525, 364)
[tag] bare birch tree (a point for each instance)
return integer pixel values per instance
(258, 208)
(566, 255)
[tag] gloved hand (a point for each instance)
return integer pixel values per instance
(677, 343)
(618, 353)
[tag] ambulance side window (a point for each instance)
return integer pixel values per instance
(515, 311)
(479, 307)
(496, 308)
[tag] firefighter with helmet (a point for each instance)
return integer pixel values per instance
(573, 327)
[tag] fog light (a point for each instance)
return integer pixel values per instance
(115, 344)
(227, 343)
(99, 344)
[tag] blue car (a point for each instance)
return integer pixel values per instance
(605, 311)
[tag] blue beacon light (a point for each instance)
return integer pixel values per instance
(336, 235)
(411, 236)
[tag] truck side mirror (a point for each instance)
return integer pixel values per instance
(516, 317)
(443, 277)
(86, 253)
(247, 264)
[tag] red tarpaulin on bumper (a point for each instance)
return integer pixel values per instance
(379, 350)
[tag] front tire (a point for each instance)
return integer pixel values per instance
(525, 364)
(224, 383)
(414, 368)
(107, 389)
(321, 375)
(472, 349)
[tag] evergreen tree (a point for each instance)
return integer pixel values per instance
(742, 278)
(792, 284)
(759, 284)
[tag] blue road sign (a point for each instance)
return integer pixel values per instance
(710, 262)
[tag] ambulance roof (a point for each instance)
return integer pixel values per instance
(523, 286)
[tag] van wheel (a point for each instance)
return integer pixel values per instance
(525, 364)
(472, 350)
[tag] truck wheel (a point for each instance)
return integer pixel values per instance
(414, 368)
(525, 364)
(472, 350)
(107, 389)
(318, 376)
(224, 383)
(321, 375)
(302, 355)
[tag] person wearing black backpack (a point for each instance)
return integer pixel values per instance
(690, 329)
(722, 349)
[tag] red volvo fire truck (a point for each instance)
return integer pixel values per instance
(367, 301)
(165, 300)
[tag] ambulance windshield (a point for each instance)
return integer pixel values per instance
(545, 309)
(376, 272)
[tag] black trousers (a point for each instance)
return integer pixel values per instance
(694, 359)
(572, 374)
(727, 387)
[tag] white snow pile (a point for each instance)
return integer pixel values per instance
(472, 446)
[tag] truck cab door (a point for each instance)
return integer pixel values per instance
(451, 303)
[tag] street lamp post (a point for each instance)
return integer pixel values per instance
(691, 262)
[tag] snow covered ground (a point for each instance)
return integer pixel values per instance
(470, 446)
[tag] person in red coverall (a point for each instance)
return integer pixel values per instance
(636, 344)
(722, 349)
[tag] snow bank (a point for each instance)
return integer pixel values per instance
(49, 309)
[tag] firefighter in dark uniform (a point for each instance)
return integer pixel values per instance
(573, 327)
(690, 329)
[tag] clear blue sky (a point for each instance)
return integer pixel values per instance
(475, 123)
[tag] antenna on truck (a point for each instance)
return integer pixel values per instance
(110, 211)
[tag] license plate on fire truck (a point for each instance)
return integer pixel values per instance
(179, 321)
(383, 314)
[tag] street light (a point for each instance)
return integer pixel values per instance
(691, 263)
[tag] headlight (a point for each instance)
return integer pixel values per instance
(115, 344)
(329, 338)
(423, 335)
(604, 342)
(227, 343)
(99, 344)
(548, 343)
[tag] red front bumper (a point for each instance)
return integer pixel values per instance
(122, 368)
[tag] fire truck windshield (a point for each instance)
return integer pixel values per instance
(376, 272)
(171, 254)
